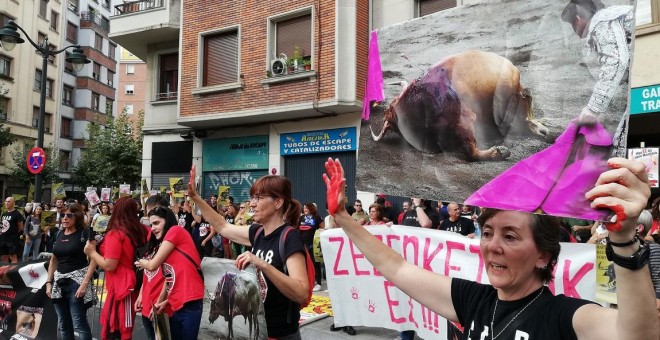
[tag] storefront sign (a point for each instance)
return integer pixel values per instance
(241, 153)
(321, 141)
(645, 99)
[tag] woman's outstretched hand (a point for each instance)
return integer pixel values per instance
(335, 184)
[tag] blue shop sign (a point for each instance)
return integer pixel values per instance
(321, 141)
(645, 99)
(241, 153)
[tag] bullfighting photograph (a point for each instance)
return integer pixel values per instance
(233, 302)
(519, 99)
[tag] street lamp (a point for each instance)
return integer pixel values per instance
(9, 37)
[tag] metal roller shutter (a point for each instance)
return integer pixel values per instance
(305, 173)
(239, 181)
(158, 180)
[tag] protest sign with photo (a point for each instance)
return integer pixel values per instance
(488, 96)
(48, 219)
(105, 194)
(361, 296)
(177, 186)
(124, 190)
(223, 194)
(648, 156)
(93, 197)
(225, 283)
(57, 191)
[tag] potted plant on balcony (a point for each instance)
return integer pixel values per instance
(307, 63)
(297, 58)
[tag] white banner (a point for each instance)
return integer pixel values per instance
(362, 297)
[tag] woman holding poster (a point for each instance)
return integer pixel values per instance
(519, 251)
(274, 209)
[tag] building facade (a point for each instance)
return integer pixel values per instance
(132, 86)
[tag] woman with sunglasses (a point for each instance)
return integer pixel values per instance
(274, 209)
(69, 276)
(123, 236)
(172, 250)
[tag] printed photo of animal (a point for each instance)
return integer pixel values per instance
(233, 303)
(28, 321)
(470, 91)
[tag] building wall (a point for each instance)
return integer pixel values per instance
(139, 81)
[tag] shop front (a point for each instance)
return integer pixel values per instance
(170, 160)
(233, 164)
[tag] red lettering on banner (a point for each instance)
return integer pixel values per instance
(335, 269)
(570, 284)
(475, 249)
(356, 256)
(391, 237)
(8, 293)
(429, 257)
(392, 303)
(411, 316)
(376, 272)
(414, 241)
(450, 246)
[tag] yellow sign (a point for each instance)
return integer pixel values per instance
(223, 194)
(605, 277)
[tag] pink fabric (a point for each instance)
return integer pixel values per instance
(553, 180)
(374, 88)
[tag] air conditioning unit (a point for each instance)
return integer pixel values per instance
(35, 122)
(278, 65)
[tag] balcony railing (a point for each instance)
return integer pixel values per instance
(137, 6)
(97, 19)
(167, 96)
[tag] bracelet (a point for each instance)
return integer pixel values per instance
(624, 244)
(47, 282)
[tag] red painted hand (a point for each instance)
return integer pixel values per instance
(335, 184)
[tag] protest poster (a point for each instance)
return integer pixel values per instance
(124, 190)
(361, 296)
(487, 96)
(176, 186)
(605, 277)
(26, 312)
(105, 194)
(57, 191)
(115, 193)
(648, 156)
(90, 189)
(48, 219)
(92, 197)
(224, 282)
(223, 194)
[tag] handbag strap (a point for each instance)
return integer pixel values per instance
(199, 269)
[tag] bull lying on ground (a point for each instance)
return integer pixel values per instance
(236, 294)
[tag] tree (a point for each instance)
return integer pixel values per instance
(19, 172)
(6, 137)
(113, 153)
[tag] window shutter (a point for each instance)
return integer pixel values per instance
(294, 32)
(431, 6)
(221, 59)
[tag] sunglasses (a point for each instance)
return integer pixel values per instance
(158, 211)
(68, 215)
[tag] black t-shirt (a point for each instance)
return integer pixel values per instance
(185, 220)
(68, 249)
(548, 317)
(410, 218)
(267, 247)
(462, 226)
(9, 229)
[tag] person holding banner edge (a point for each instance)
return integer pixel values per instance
(519, 252)
(274, 209)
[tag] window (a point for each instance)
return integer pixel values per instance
(67, 95)
(294, 35)
(4, 19)
(40, 39)
(426, 7)
(111, 77)
(73, 5)
(111, 50)
(128, 109)
(47, 118)
(5, 67)
(4, 108)
(65, 129)
(37, 80)
(130, 69)
(96, 101)
(647, 12)
(51, 58)
(71, 32)
(35, 119)
(68, 66)
(43, 8)
(168, 77)
(130, 89)
(98, 42)
(54, 20)
(106, 4)
(109, 106)
(64, 160)
(96, 73)
(220, 58)
(49, 88)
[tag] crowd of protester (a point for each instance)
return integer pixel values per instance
(141, 247)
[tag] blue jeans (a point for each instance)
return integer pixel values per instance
(71, 313)
(184, 323)
(34, 246)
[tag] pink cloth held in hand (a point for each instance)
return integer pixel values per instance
(555, 179)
